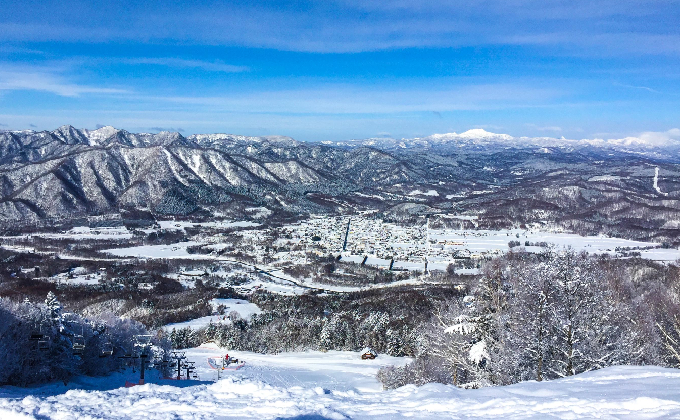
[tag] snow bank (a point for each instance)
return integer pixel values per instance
(316, 385)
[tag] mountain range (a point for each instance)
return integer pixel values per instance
(592, 185)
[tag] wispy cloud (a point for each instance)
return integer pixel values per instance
(215, 66)
(178, 129)
(648, 89)
(538, 127)
(353, 99)
(621, 26)
(46, 81)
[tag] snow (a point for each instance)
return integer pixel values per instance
(432, 193)
(497, 240)
(473, 134)
(339, 385)
(244, 308)
(478, 352)
(604, 178)
(224, 224)
(671, 224)
(84, 232)
(79, 276)
(661, 254)
(178, 250)
(656, 182)
(259, 212)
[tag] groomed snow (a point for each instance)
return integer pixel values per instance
(339, 385)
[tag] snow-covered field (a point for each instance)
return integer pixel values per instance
(339, 385)
(178, 250)
(82, 232)
(79, 276)
(225, 224)
(497, 240)
(244, 308)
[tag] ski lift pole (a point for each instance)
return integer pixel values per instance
(190, 368)
(143, 362)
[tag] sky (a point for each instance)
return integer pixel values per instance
(343, 69)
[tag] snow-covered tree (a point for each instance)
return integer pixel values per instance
(529, 335)
(54, 310)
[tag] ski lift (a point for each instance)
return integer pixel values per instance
(143, 339)
(78, 344)
(107, 349)
(36, 336)
(44, 343)
(42, 340)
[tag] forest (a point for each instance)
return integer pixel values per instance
(526, 316)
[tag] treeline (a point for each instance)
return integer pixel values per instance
(547, 316)
(40, 343)
(383, 320)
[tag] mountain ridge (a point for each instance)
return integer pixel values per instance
(71, 173)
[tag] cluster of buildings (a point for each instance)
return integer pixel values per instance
(367, 236)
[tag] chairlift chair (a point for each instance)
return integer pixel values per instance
(78, 344)
(44, 343)
(107, 350)
(143, 339)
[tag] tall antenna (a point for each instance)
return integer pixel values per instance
(344, 245)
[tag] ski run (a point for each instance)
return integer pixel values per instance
(340, 385)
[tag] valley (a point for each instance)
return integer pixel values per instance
(447, 261)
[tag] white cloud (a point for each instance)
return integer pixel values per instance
(216, 66)
(352, 99)
(602, 27)
(650, 138)
(42, 80)
(544, 127)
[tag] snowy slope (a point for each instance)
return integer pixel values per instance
(244, 308)
(338, 385)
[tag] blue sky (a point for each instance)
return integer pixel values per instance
(333, 70)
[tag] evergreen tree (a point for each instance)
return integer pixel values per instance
(54, 310)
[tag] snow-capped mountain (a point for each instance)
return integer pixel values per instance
(70, 172)
(649, 142)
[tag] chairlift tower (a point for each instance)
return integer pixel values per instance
(190, 367)
(143, 342)
(178, 356)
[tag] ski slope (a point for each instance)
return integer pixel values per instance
(339, 385)
(244, 308)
